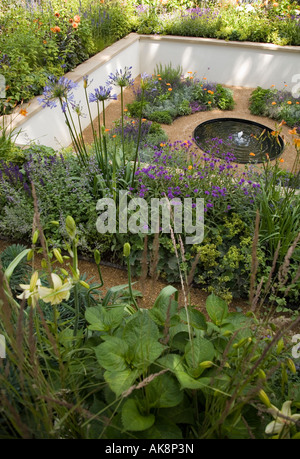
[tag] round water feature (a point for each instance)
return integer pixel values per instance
(248, 141)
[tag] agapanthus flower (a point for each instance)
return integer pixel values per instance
(102, 93)
(58, 89)
(121, 78)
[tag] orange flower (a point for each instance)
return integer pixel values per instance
(23, 112)
(45, 42)
(297, 143)
(144, 119)
(75, 25)
(267, 156)
(70, 20)
(204, 78)
(76, 18)
(170, 89)
(297, 103)
(125, 110)
(159, 78)
(251, 154)
(106, 130)
(168, 84)
(272, 86)
(56, 14)
(209, 102)
(55, 29)
(114, 135)
(289, 102)
(273, 103)
(293, 131)
(210, 92)
(189, 72)
(190, 167)
(281, 160)
(162, 145)
(282, 123)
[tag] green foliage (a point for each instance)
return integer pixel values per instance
(21, 272)
(162, 117)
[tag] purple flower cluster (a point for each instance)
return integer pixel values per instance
(213, 178)
(101, 94)
(58, 89)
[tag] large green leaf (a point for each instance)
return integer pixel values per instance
(174, 363)
(164, 307)
(197, 351)
(111, 354)
(164, 392)
(101, 319)
(12, 266)
(146, 352)
(133, 420)
(163, 429)
(120, 381)
(196, 318)
(217, 308)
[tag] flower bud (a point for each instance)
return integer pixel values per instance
(58, 256)
(33, 280)
(71, 227)
(262, 374)
(264, 398)
(126, 249)
(206, 364)
(97, 257)
(84, 284)
(280, 346)
(44, 263)
(30, 255)
(64, 271)
(291, 366)
(35, 236)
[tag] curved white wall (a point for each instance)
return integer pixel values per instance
(230, 63)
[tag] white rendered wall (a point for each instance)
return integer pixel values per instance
(46, 126)
(229, 63)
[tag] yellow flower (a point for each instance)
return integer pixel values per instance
(30, 292)
(59, 292)
(281, 425)
(190, 167)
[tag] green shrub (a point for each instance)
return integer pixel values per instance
(162, 117)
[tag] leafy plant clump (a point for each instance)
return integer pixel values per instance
(102, 367)
(167, 95)
(278, 104)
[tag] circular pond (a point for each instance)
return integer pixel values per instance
(247, 140)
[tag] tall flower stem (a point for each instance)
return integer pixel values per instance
(138, 139)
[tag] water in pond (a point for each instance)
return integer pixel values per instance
(247, 140)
